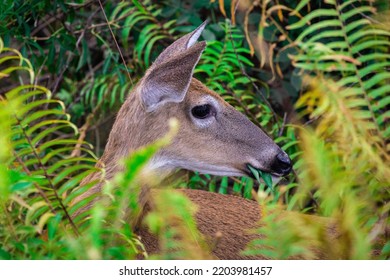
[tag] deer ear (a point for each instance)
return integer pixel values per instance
(170, 75)
(169, 81)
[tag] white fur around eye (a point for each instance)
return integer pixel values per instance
(203, 123)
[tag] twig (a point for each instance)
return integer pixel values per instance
(50, 18)
(116, 43)
(283, 124)
(60, 76)
(71, 55)
(83, 130)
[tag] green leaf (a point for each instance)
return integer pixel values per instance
(314, 28)
(21, 186)
(310, 16)
(267, 178)
(85, 56)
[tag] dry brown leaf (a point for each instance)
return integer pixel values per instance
(222, 7)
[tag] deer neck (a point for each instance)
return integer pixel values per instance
(133, 128)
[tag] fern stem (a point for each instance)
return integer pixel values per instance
(69, 218)
(41, 192)
(217, 64)
(361, 84)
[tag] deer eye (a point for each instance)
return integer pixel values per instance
(201, 111)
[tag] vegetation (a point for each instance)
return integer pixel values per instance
(314, 74)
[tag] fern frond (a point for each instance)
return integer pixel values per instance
(142, 14)
(345, 170)
(343, 117)
(5, 152)
(343, 43)
(35, 123)
(104, 92)
(348, 159)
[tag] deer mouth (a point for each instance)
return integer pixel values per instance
(262, 176)
(250, 167)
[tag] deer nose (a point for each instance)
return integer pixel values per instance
(282, 164)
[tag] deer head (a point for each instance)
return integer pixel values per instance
(213, 137)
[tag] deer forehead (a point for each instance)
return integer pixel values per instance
(199, 94)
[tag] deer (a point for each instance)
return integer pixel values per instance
(213, 138)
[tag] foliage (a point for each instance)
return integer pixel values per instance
(355, 53)
(346, 173)
(173, 222)
(42, 170)
(39, 172)
(344, 160)
(330, 57)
